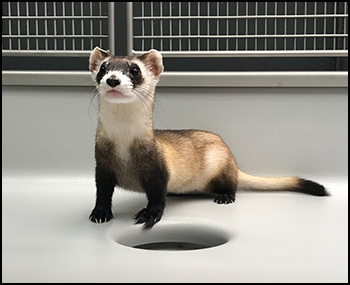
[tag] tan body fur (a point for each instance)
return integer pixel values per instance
(194, 158)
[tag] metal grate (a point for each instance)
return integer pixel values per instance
(53, 26)
(240, 28)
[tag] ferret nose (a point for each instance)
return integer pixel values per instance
(113, 82)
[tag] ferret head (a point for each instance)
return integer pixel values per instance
(125, 79)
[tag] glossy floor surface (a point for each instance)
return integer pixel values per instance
(48, 191)
(272, 237)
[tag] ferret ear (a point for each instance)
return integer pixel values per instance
(96, 56)
(153, 61)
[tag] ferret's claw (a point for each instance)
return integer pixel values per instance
(149, 218)
(100, 215)
(226, 198)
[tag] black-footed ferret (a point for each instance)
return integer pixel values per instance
(130, 154)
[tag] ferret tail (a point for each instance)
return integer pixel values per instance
(296, 184)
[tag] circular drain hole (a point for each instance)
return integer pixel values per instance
(172, 246)
(176, 236)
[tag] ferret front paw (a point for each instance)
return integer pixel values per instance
(149, 217)
(226, 198)
(100, 215)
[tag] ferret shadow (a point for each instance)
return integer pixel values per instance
(127, 207)
(188, 197)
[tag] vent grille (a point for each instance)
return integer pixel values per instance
(240, 27)
(54, 26)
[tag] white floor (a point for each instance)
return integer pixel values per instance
(48, 134)
(273, 237)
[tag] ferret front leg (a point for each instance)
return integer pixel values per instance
(105, 183)
(155, 188)
(154, 210)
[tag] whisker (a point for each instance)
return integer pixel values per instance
(142, 99)
(94, 95)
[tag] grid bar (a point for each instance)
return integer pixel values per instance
(190, 79)
(47, 53)
(52, 17)
(129, 28)
(239, 17)
(283, 53)
(239, 36)
(47, 36)
(111, 28)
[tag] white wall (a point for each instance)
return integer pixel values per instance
(271, 131)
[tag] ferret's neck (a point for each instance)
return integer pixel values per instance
(125, 122)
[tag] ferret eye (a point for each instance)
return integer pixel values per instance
(103, 67)
(135, 71)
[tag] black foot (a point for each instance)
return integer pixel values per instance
(100, 215)
(148, 217)
(224, 199)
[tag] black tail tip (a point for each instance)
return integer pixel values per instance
(312, 188)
